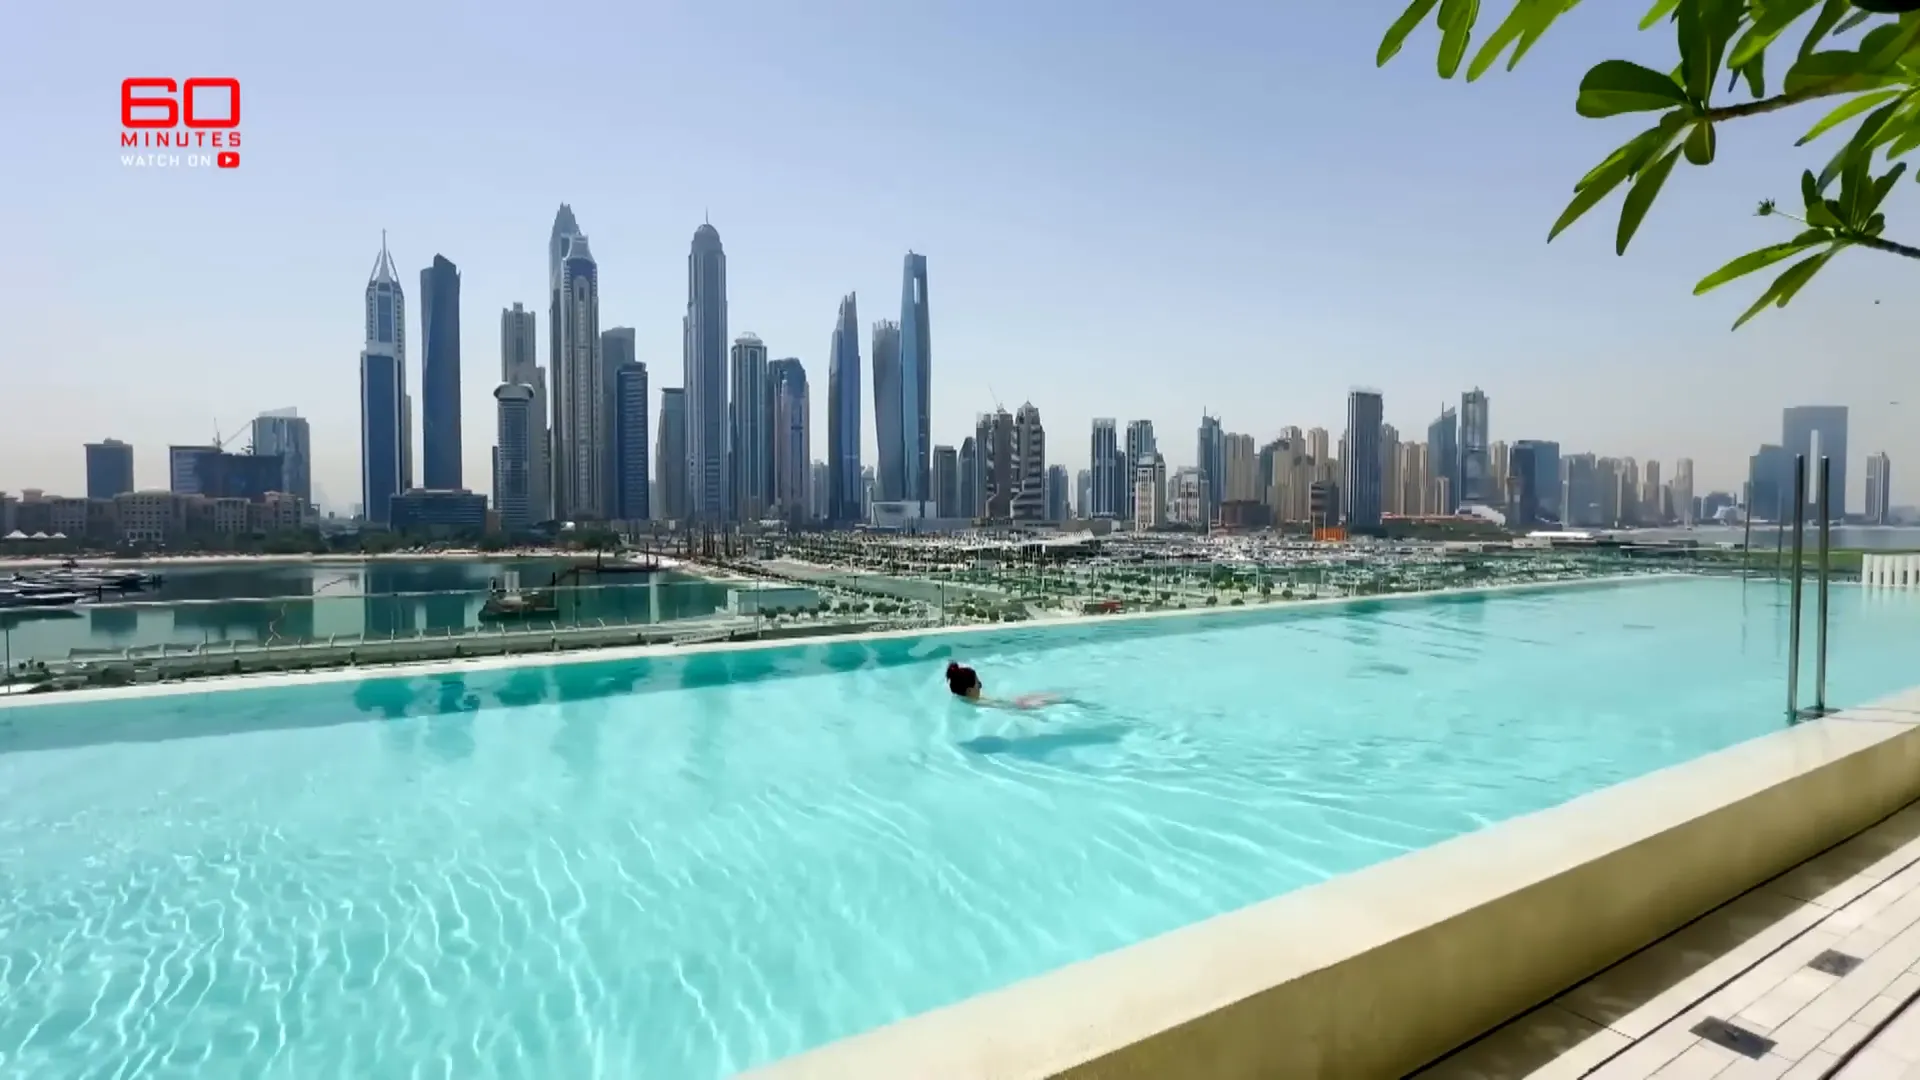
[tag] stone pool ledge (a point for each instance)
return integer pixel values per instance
(1379, 972)
(415, 669)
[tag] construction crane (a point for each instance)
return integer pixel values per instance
(221, 444)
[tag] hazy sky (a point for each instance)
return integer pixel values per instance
(1129, 208)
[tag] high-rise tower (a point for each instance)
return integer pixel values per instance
(670, 456)
(1816, 431)
(515, 420)
(1106, 487)
(792, 441)
(1212, 455)
(1362, 496)
(440, 375)
(384, 426)
(843, 415)
(916, 379)
(519, 365)
(750, 431)
(889, 421)
(705, 377)
(579, 434)
(1477, 476)
(618, 348)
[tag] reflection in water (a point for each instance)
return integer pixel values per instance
(1043, 747)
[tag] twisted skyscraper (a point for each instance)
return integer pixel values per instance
(916, 380)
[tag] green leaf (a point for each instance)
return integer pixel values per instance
(1598, 185)
(1767, 27)
(1660, 10)
(1852, 21)
(1637, 151)
(1397, 33)
(1756, 72)
(1784, 286)
(1756, 260)
(1825, 215)
(1456, 29)
(1700, 143)
(1809, 189)
(1619, 86)
(1834, 72)
(1696, 41)
(1646, 187)
(1534, 32)
(1823, 24)
(1847, 112)
(1525, 23)
(1884, 186)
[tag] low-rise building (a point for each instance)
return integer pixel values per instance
(432, 512)
(147, 517)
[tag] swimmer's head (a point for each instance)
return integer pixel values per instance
(963, 680)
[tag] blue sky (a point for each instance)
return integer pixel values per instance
(1129, 208)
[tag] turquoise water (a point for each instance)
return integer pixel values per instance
(683, 867)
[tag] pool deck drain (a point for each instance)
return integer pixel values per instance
(1809, 977)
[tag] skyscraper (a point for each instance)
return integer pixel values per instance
(519, 364)
(1817, 431)
(750, 431)
(1057, 484)
(1360, 496)
(1547, 488)
(617, 350)
(996, 458)
(1443, 462)
(1105, 485)
(109, 469)
(283, 434)
(969, 480)
(792, 438)
(916, 377)
(384, 427)
(705, 379)
(1476, 466)
(670, 456)
(946, 482)
(578, 433)
(843, 415)
(1879, 489)
(1683, 491)
(516, 418)
(630, 479)
(888, 421)
(1523, 486)
(1029, 465)
(440, 375)
(1141, 447)
(1211, 454)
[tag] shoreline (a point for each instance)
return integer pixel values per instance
(159, 562)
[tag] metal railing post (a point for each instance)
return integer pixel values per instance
(1746, 537)
(1820, 597)
(1793, 588)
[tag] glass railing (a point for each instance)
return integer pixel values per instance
(844, 591)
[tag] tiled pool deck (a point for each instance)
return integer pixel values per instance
(1814, 974)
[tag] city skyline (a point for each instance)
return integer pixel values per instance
(1447, 284)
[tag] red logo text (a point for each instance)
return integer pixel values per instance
(160, 116)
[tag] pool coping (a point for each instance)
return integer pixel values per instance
(411, 669)
(1383, 970)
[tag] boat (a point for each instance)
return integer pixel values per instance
(506, 601)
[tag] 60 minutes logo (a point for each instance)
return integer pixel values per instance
(193, 123)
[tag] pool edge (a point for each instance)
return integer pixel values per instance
(413, 669)
(1408, 959)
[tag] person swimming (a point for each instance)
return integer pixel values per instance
(965, 683)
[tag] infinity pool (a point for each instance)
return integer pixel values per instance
(683, 867)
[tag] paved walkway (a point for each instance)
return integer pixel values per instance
(1811, 976)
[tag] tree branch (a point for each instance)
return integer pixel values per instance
(1777, 102)
(1887, 246)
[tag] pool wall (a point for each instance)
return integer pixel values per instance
(673, 667)
(1378, 972)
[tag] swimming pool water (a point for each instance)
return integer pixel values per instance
(535, 872)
